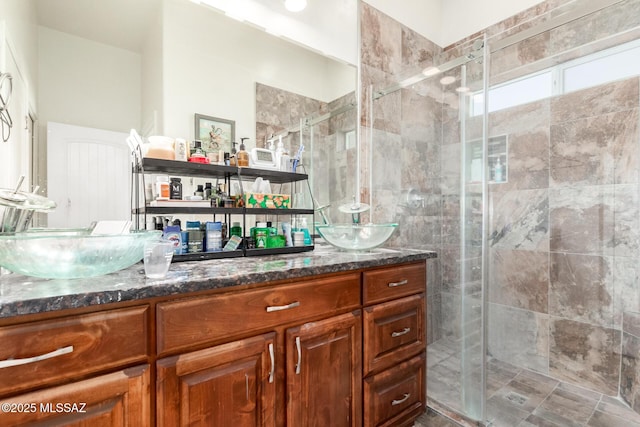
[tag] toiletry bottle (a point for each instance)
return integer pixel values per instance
(162, 187)
(214, 236)
(279, 153)
(305, 230)
(232, 158)
(194, 237)
(196, 150)
(236, 229)
(175, 192)
(180, 146)
(243, 156)
(199, 191)
(207, 190)
(498, 171)
(261, 234)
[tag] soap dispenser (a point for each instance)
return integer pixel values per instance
(232, 158)
(243, 156)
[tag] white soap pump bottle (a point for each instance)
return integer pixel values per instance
(498, 171)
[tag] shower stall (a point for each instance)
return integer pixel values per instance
(515, 156)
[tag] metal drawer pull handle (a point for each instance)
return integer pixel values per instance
(401, 333)
(272, 308)
(396, 284)
(273, 363)
(399, 401)
(299, 356)
(17, 362)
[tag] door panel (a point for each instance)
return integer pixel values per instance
(324, 366)
(88, 175)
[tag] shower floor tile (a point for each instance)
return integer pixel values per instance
(518, 397)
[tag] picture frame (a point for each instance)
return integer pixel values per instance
(215, 133)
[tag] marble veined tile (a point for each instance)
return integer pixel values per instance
(599, 220)
(596, 101)
(601, 149)
(519, 279)
(630, 373)
(585, 354)
(582, 288)
(520, 220)
(519, 336)
(381, 38)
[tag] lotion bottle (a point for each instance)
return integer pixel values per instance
(243, 155)
(498, 171)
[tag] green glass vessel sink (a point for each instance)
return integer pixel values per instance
(356, 237)
(71, 253)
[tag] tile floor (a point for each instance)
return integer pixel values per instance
(518, 397)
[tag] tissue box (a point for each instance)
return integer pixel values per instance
(267, 201)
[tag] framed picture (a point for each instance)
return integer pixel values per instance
(215, 134)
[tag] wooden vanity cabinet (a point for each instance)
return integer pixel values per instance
(296, 359)
(394, 345)
(323, 366)
(340, 350)
(51, 371)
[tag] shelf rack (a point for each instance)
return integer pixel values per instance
(200, 170)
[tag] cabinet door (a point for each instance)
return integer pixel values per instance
(118, 399)
(228, 385)
(323, 368)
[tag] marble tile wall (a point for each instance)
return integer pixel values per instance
(564, 229)
(564, 236)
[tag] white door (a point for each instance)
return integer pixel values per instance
(88, 174)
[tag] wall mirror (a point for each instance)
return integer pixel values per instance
(152, 65)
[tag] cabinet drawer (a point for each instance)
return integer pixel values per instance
(390, 283)
(41, 353)
(396, 395)
(189, 323)
(393, 331)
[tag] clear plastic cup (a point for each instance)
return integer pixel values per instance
(157, 258)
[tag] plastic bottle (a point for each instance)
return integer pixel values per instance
(208, 190)
(232, 158)
(305, 230)
(243, 155)
(162, 187)
(175, 192)
(199, 191)
(236, 229)
(498, 171)
(214, 236)
(261, 234)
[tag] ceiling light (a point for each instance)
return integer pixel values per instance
(295, 5)
(447, 80)
(431, 71)
(463, 89)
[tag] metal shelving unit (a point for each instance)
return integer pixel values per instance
(228, 173)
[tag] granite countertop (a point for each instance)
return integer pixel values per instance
(20, 295)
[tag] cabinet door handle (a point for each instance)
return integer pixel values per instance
(396, 334)
(399, 401)
(396, 284)
(299, 356)
(273, 363)
(272, 308)
(17, 362)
